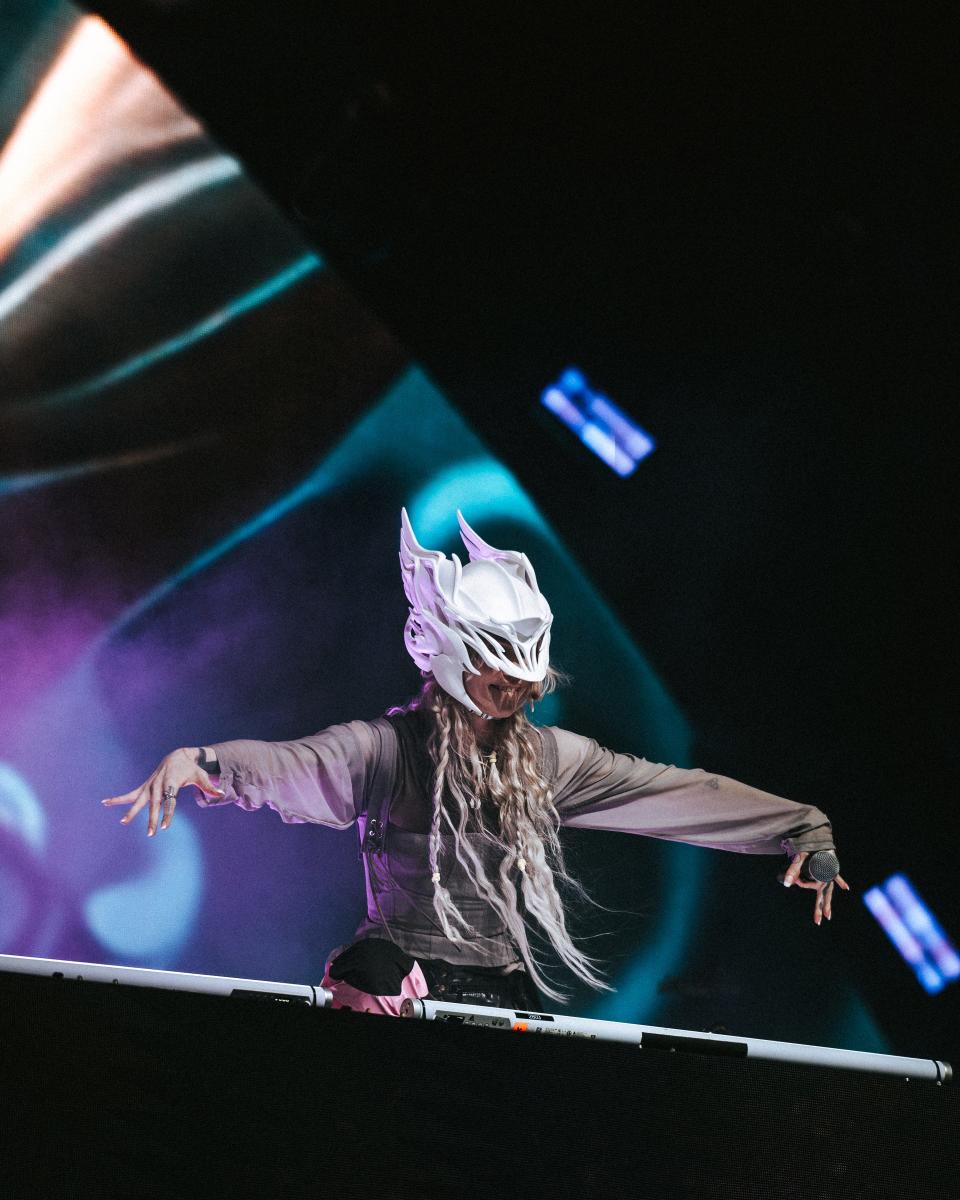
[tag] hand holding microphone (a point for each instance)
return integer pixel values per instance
(820, 871)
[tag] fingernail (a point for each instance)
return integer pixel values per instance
(787, 882)
(149, 833)
(104, 801)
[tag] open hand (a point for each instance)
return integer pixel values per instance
(178, 770)
(824, 891)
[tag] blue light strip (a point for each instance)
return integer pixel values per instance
(597, 422)
(915, 932)
(923, 925)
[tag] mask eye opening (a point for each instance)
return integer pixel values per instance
(508, 650)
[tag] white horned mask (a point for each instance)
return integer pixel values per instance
(491, 606)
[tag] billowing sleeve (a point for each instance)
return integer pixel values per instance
(323, 779)
(598, 789)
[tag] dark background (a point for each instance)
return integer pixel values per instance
(739, 222)
(302, 1115)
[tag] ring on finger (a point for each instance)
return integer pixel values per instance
(170, 793)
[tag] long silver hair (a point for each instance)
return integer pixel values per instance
(524, 839)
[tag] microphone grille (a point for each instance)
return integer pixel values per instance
(823, 866)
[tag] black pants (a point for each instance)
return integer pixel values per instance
(480, 985)
(378, 967)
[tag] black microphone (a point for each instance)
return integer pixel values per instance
(820, 867)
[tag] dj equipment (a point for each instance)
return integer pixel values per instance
(159, 1086)
(678, 1041)
(645, 1037)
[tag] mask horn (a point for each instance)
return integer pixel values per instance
(513, 560)
(412, 553)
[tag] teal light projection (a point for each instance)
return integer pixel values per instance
(147, 917)
(856, 1027)
(213, 323)
(493, 493)
(20, 810)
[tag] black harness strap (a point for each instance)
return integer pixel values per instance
(371, 829)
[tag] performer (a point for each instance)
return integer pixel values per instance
(458, 798)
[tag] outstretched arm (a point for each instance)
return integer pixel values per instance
(598, 789)
(323, 779)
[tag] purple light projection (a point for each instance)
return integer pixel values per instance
(146, 292)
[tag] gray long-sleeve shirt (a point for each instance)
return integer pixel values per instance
(339, 775)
